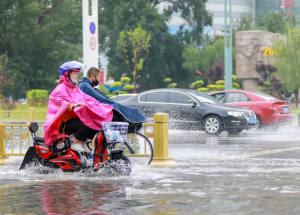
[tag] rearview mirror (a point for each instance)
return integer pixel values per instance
(192, 102)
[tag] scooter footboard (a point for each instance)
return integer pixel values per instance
(29, 157)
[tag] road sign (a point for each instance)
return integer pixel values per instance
(92, 27)
(93, 43)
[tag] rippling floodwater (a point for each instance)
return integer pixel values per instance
(247, 174)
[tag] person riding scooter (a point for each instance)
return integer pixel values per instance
(133, 116)
(71, 111)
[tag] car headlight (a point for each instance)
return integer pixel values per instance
(234, 113)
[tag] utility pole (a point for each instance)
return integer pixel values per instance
(228, 50)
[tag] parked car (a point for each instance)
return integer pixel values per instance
(190, 109)
(122, 97)
(268, 109)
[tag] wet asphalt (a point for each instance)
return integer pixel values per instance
(256, 172)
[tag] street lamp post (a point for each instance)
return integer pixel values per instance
(228, 50)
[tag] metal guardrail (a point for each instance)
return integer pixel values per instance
(15, 139)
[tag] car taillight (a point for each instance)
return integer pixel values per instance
(273, 106)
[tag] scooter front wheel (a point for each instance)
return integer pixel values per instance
(118, 164)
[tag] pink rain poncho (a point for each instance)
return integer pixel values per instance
(92, 114)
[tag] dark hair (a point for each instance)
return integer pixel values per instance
(93, 71)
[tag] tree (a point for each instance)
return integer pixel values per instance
(38, 36)
(165, 50)
(287, 60)
(3, 71)
(139, 45)
(276, 22)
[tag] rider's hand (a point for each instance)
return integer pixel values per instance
(72, 106)
(80, 104)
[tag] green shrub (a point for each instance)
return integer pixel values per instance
(117, 84)
(233, 78)
(125, 79)
(267, 84)
(211, 87)
(167, 80)
(37, 97)
(262, 88)
(203, 89)
(198, 84)
(128, 87)
(220, 82)
(235, 85)
(220, 87)
(103, 89)
(173, 85)
(109, 95)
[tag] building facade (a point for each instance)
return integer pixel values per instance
(239, 8)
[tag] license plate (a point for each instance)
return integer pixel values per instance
(252, 120)
(285, 109)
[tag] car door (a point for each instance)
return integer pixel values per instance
(183, 114)
(238, 99)
(153, 102)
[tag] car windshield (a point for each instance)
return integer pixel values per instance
(265, 96)
(204, 98)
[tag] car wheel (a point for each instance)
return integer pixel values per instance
(213, 125)
(259, 123)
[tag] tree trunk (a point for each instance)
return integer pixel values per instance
(296, 94)
(134, 83)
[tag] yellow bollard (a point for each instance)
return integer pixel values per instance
(31, 114)
(1, 143)
(161, 142)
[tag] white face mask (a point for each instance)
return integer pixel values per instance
(74, 81)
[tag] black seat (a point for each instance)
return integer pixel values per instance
(38, 139)
(33, 127)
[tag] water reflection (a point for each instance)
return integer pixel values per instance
(61, 197)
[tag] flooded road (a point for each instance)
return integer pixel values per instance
(251, 173)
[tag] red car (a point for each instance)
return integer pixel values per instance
(268, 109)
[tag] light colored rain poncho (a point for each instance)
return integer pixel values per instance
(92, 114)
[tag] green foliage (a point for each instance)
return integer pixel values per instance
(203, 89)
(220, 87)
(128, 87)
(233, 78)
(276, 22)
(172, 85)
(167, 80)
(262, 88)
(165, 50)
(110, 95)
(235, 85)
(103, 89)
(287, 61)
(38, 36)
(267, 83)
(212, 87)
(37, 97)
(220, 82)
(117, 84)
(125, 79)
(198, 84)
(139, 46)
